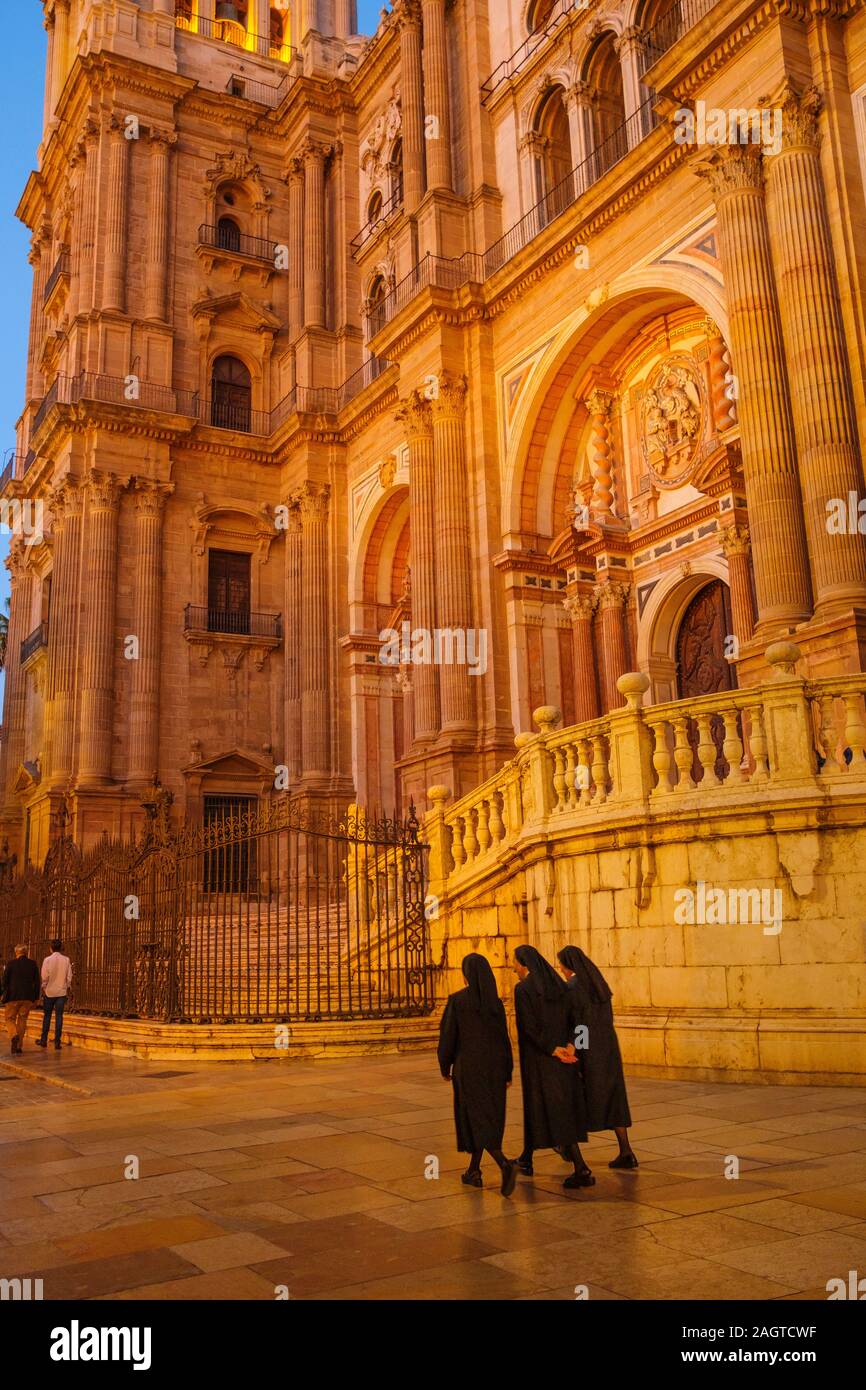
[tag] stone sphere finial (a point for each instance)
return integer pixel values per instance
(546, 717)
(783, 656)
(633, 685)
(523, 741)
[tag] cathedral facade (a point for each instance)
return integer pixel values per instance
(384, 391)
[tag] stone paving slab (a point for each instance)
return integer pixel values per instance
(314, 1176)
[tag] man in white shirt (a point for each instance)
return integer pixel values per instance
(56, 980)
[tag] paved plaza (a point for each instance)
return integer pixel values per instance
(310, 1178)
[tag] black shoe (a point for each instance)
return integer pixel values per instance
(625, 1161)
(525, 1168)
(40, 1042)
(472, 1178)
(58, 1045)
(509, 1178)
(583, 1179)
(14, 1047)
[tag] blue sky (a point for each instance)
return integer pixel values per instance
(24, 48)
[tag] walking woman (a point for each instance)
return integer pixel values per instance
(475, 1055)
(553, 1106)
(603, 1079)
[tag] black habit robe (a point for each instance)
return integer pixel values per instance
(554, 1113)
(474, 1050)
(601, 1061)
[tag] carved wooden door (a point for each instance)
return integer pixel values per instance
(702, 667)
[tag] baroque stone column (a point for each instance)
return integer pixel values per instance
(60, 51)
(85, 233)
(769, 456)
(417, 419)
(408, 14)
(48, 108)
(821, 393)
(96, 718)
(156, 268)
(38, 259)
(735, 543)
(722, 401)
(116, 222)
(66, 502)
(346, 19)
(580, 609)
(314, 155)
(148, 498)
(292, 638)
(452, 547)
(614, 642)
(15, 700)
(438, 140)
(296, 248)
(600, 406)
(314, 503)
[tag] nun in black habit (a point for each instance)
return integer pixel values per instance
(475, 1056)
(601, 1062)
(553, 1106)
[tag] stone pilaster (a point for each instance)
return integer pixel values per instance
(417, 419)
(769, 456)
(116, 217)
(39, 257)
(580, 609)
(735, 542)
(292, 638)
(452, 547)
(15, 698)
(296, 248)
(408, 14)
(438, 141)
(821, 393)
(60, 52)
(614, 641)
(629, 47)
(578, 104)
(96, 719)
(156, 279)
(66, 504)
(314, 504)
(314, 155)
(148, 499)
(85, 233)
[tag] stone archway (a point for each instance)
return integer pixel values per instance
(702, 642)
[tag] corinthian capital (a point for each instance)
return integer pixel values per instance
(313, 501)
(600, 402)
(104, 490)
(415, 416)
(450, 396)
(65, 499)
(149, 497)
(735, 540)
(407, 13)
(612, 595)
(580, 607)
(733, 169)
(800, 111)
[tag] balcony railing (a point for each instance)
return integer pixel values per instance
(238, 624)
(62, 268)
(390, 206)
(681, 16)
(238, 243)
(230, 32)
(234, 415)
(561, 10)
(372, 369)
(32, 644)
(260, 92)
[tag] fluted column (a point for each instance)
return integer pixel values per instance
(314, 234)
(347, 22)
(38, 259)
(15, 697)
(156, 279)
(408, 14)
(437, 104)
(735, 543)
(600, 406)
(614, 642)
(66, 506)
(148, 498)
(580, 609)
(452, 547)
(60, 51)
(296, 248)
(818, 370)
(416, 417)
(767, 435)
(96, 720)
(293, 630)
(85, 233)
(314, 501)
(116, 218)
(48, 109)
(309, 16)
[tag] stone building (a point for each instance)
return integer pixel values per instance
(531, 333)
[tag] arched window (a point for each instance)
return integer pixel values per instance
(231, 395)
(556, 162)
(228, 234)
(539, 14)
(604, 74)
(375, 300)
(231, 21)
(374, 209)
(395, 166)
(279, 34)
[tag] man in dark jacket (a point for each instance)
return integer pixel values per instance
(20, 992)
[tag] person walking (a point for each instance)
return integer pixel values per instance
(601, 1061)
(56, 980)
(475, 1056)
(20, 991)
(554, 1110)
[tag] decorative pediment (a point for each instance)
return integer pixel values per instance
(235, 166)
(206, 515)
(28, 776)
(236, 311)
(235, 762)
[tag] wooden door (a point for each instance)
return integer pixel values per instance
(702, 666)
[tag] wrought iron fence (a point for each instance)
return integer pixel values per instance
(261, 914)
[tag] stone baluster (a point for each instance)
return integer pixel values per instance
(580, 608)
(559, 785)
(769, 456)
(470, 839)
(96, 709)
(818, 370)
(458, 853)
(314, 156)
(600, 405)
(855, 731)
(497, 824)
(661, 755)
(758, 745)
(437, 131)
(583, 778)
(416, 417)
(683, 755)
(599, 769)
(452, 548)
(149, 500)
(116, 218)
(735, 542)
(292, 640)
(408, 13)
(829, 735)
(614, 642)
(156, 264)
(571, 774)
(66, 503)
(483, 830)
(314, 502)
(707, 751)
(733, 749)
